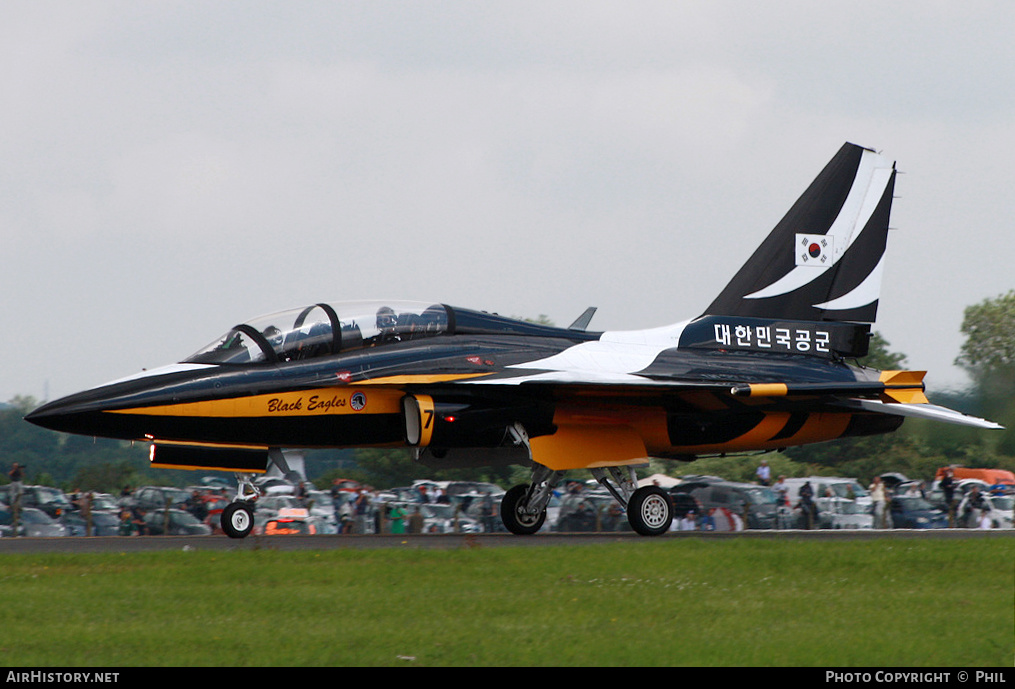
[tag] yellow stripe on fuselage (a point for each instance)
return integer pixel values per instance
(322, 401)
(372, 396)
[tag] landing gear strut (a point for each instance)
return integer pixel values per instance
(523, 508)
(649, 508)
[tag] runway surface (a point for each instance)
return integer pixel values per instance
(129, 544)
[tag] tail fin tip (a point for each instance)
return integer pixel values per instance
(824, 260)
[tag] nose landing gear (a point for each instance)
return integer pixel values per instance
(238, 516)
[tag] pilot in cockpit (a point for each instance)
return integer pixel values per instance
(386, 324)
(434, 320)
(274, 337)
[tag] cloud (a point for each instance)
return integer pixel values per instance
(173, 168)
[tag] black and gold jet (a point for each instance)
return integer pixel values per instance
(764, 367)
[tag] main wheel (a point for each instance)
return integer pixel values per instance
(237, 520)
(649, 511)
(516, 521)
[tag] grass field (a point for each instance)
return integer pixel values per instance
(735, 602)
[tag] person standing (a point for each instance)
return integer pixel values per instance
(807, 506)
(416, 521)
(17, 477)
(688, 523)
(947, 485)
(362, 511)
(879, 497)
(397, 516)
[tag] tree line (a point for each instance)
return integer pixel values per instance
(917, 450)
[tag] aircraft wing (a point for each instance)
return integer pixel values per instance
(895, 393)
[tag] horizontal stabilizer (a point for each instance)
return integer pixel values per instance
(928, 411)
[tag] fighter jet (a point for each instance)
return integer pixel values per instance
(770, 363)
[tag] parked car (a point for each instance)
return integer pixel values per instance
(1002, 511)
(828, 487)
(484, 509)
(104, 523)
(843, 513)
(444, 518)
(990, 477)
(914, 512)
(180, 523)
(321, 504)
(158, 497)
(50, 500)
(271, 506)
(322, 525)
(6, 528)
(756, 505)
(291, 521)
(275, 485)
(894, 479)
(684, 502)
(104, 502)
(997, 507)
(35, 523)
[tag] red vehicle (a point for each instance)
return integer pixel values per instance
(290, 522)
(992, 477)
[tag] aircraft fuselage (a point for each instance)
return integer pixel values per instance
(356, 399)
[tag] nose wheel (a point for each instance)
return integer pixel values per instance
(238, 516)
(237, 519)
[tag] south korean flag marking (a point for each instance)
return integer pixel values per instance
(815, 250)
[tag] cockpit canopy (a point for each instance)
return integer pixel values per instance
(320, 330)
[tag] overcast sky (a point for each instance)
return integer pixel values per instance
(170, 169)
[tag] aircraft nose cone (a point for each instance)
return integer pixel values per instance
(113, 410)
(41, 416)
(85, 413)
(61, 415)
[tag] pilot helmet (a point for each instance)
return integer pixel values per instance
(386, 318)
(273, 335)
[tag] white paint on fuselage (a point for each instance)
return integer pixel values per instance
(161, 371)
(613, 358)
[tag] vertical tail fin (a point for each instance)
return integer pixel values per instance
(823, 260)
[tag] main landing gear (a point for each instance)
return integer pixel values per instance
(523, 508)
